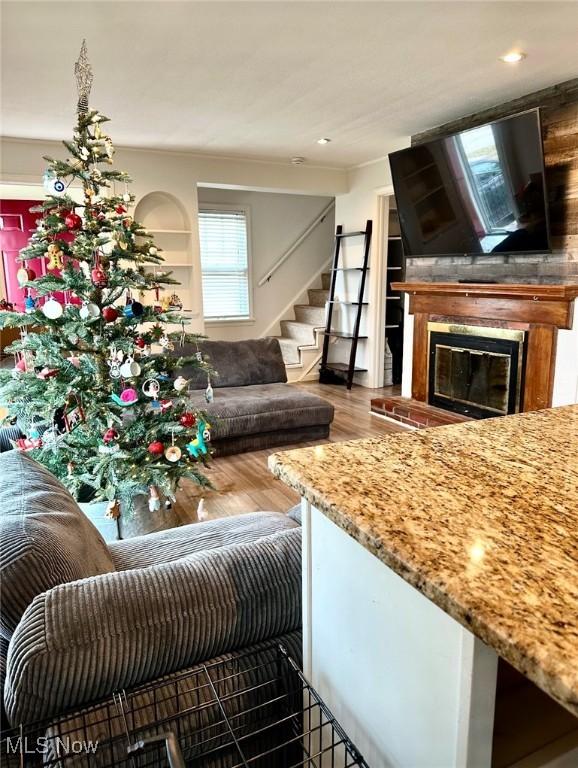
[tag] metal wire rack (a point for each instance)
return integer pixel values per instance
(254, 710)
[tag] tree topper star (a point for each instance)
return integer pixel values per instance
(83, 74)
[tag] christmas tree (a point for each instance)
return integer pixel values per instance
(99, 406)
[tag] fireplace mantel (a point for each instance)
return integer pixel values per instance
(543, 304)
(540, 310)
(492, 290)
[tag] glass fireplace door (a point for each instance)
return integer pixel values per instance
(475, 370)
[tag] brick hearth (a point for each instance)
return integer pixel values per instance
(414, 413)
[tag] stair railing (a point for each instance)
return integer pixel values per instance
(318, 219)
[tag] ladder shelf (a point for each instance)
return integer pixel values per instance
(331, 373)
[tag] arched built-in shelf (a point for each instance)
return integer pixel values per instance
(164, 218)
(162, 211)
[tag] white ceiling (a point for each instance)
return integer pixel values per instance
(267, 79)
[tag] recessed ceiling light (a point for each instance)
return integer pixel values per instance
(513, 57)
(323, 141)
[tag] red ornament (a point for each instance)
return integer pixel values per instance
(110, 435)
(109, 314)
(98, 274)
(188, 420)
(28, 444)
(140, 342)
(156, 448)
(99, 277)
(165, 405)
(120, 209)
(73, 221)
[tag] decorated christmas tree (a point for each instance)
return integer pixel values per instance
(95, 387)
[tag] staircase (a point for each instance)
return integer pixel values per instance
(301, 339)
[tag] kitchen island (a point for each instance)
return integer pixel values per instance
(427, 556)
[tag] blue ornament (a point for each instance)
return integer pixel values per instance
(52, 184)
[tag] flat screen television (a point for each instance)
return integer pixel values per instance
(480, 191)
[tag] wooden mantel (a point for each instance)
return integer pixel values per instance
(542, 292)
(540, 310)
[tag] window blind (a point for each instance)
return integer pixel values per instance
(224, 264)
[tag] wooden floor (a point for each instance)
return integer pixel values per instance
(244, 484)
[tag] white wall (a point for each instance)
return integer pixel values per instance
(361, 202)
(276, 221)
(179, 174)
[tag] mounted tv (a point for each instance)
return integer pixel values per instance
(480, 191)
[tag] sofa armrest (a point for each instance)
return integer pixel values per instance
(80, 641)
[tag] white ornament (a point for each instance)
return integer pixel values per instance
(88, 311)
(180, 383)
(129, 369)
(201, 512)
(151, 388)
(52, 309)
(209, 395)
(114, 362)
(153, 250)
(126, 197)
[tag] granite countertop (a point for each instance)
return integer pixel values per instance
(480, 517)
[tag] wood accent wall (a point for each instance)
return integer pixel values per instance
(559, 109)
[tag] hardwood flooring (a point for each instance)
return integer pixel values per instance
(244, 484)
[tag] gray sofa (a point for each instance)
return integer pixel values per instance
(253, 405)
(80, 619)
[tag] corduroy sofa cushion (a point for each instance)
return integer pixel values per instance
(262, 408)
(79, 641)
(45, 538)
(237, 363)
(174, 543)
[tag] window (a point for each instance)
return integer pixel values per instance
(225, 264)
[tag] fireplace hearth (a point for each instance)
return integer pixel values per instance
(475, 370)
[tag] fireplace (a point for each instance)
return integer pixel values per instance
(482, 349)
(475, 370)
